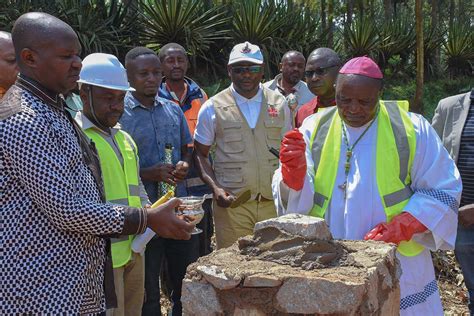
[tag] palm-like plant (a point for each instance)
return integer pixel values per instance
(302, 30)
(262, 23)
(201, 31)
(396, 37)
(100, 27)
(10, 10)
(361, 38)
(459, 49)
(434, 38)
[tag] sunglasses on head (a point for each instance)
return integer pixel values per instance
(321, 71)
(251, 69)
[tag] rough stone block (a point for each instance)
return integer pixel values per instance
(286, 271)
(308, 227)
(248, 312)
(261, 281)
(218, 278)
(200, 299)
(318, 296)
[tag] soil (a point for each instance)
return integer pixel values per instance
(453, 296)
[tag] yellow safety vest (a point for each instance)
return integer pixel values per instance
(396, 145)
(120, 183)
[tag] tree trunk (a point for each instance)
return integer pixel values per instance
(452, 6)
(387, 7)
(418, 104)
(360, 5)
(435, 26)
(331, 23)
(462, 11)
(323, 16)
(350, 12)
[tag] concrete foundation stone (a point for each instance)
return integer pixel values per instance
(291, 266)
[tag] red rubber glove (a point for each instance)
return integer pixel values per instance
(293, 159)
(401, 228)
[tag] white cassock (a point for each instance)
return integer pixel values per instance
(437, 189)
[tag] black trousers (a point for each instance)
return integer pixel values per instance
(207, 226)
(178, 255)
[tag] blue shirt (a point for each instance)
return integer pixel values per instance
(153, 128)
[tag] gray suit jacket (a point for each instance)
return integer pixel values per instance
(449, 119)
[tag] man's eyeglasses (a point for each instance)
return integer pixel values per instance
(251, 69)
(321, 71)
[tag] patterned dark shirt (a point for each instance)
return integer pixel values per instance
(466, 159)
(51, 215)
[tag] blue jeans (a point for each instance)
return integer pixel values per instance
(465, 255)
(179, 254)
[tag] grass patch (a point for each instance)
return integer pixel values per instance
(433, 91)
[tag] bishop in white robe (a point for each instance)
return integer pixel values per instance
(356, 209)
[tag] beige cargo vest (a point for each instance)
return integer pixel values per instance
(242, 160)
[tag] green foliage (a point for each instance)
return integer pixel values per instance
(100, 26)
(187, 23)
(433, 39)
(209, 29)
(397, 37)
(459, 49)
(361, 38)
(277, 27)
(260, 23)
(302, 30)
(433, 91)
(10, 10)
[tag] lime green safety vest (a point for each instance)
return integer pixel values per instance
(120, 183)
(396, 144)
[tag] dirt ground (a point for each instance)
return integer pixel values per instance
(454, 297)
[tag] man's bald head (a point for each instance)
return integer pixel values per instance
(290, 54)
(321, 72)
(47, 51)
(35, 30)
(330, 56)
(292, 67)
(8, 67)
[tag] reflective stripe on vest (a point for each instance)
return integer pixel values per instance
(120, 183)
(396, 144)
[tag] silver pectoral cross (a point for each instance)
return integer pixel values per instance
(344, 188)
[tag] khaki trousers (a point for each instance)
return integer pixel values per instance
(232, 223)
(129, 287)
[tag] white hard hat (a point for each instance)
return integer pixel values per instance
(104, 70)
(246, 52)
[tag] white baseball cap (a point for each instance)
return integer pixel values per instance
(246, 52)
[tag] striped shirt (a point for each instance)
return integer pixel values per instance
(466, 159)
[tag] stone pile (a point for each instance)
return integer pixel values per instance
(290, 266)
